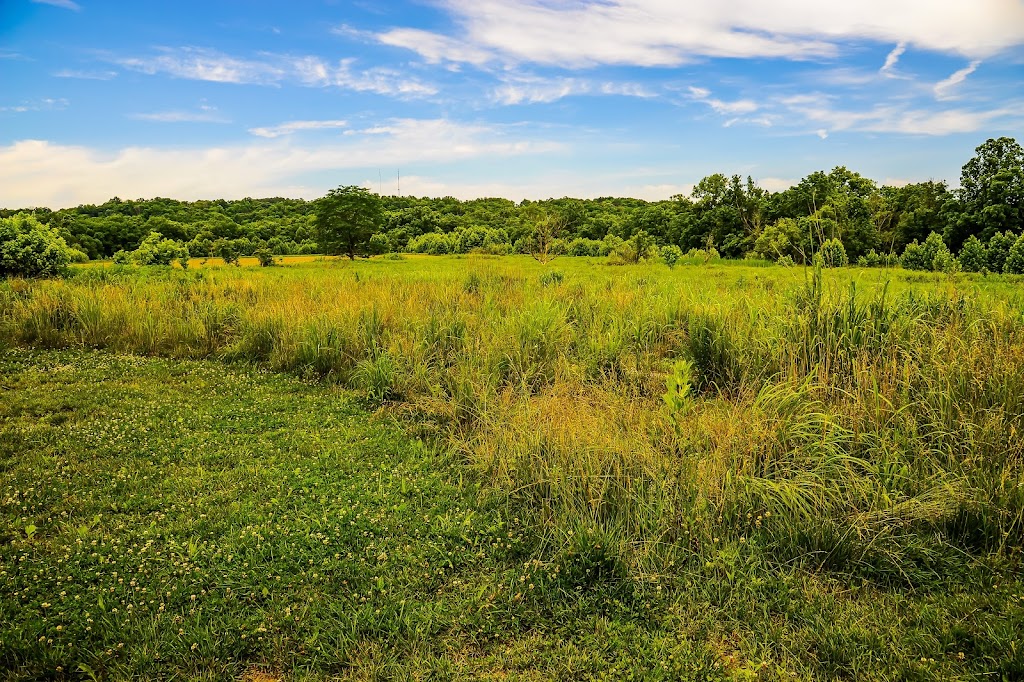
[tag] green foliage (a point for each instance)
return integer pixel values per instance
(226, 251)
(678, 388)
(999, 250)
(833, 254)
(346, 219)
(1015, 259)
(264, 256)
(671, 255)
(30, 249)
(551, 278)
(973, 255)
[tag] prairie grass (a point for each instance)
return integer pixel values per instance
(849, 427)
(866, 421)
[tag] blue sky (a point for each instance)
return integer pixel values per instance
(514, 98)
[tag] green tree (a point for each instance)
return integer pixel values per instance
(1015, 259)
(992, 190)
(973, 256)
(346, 219)
(30, 249)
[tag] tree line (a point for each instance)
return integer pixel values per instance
(729, 216)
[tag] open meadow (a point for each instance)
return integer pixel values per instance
(485, 467)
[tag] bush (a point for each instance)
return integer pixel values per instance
(973, 255)
(584, 247)
(551, 277)
(785, 261)
(264, 256)
(30, 249)
(155, 250)
(913, 257)
(377, 244)
(999, 250)
(833, 254)
(945, 262)
(1015, 260)
(671, 254)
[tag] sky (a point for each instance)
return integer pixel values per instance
(493, 98)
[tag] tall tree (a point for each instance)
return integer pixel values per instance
(346, 219)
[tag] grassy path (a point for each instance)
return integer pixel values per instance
(164, 517)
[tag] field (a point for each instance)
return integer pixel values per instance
(451, 468)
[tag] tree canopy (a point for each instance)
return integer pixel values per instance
(346, 219)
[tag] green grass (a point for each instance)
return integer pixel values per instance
(835, 492)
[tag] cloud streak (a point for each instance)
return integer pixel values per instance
(64, 4)
(290, 127)
(193, 63)
(944, 88)
(670, 33)
(42, 173)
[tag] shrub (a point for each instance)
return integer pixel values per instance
(973, 255)
(30, 249)
(264, 256)
(833, 254)
(945, 262)
(913, 257)
(1015, 260)
(551, 277)
(227, 251)
(584, 247)
(785, 261)
(377, 244)
(671, 254)
(999, 249)
(155, 250)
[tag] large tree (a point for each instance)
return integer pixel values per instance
(346, 219)
(991, 192)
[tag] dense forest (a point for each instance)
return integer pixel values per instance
(731, 215)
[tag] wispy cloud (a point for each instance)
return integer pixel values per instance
(204, 114)
(891, 59)
(275, 69)
(86, 75)
(45, 104)
(296, 126)
(740, 106)
(669, 33)
(533, 89)
(944, 88)
(817, 112)
(66, 4)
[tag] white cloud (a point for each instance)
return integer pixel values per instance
(891, 59)
(943, 89)
(204, 114)
(273, 69)
(41, 173)
(669, 32)
(295, 126)
(532, 90)
(45, 104)
(817, 110)
(86, 75)
(435, 48)
(742, 106)
(66, 4)
(775, 184)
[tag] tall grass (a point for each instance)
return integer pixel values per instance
(836, 420)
